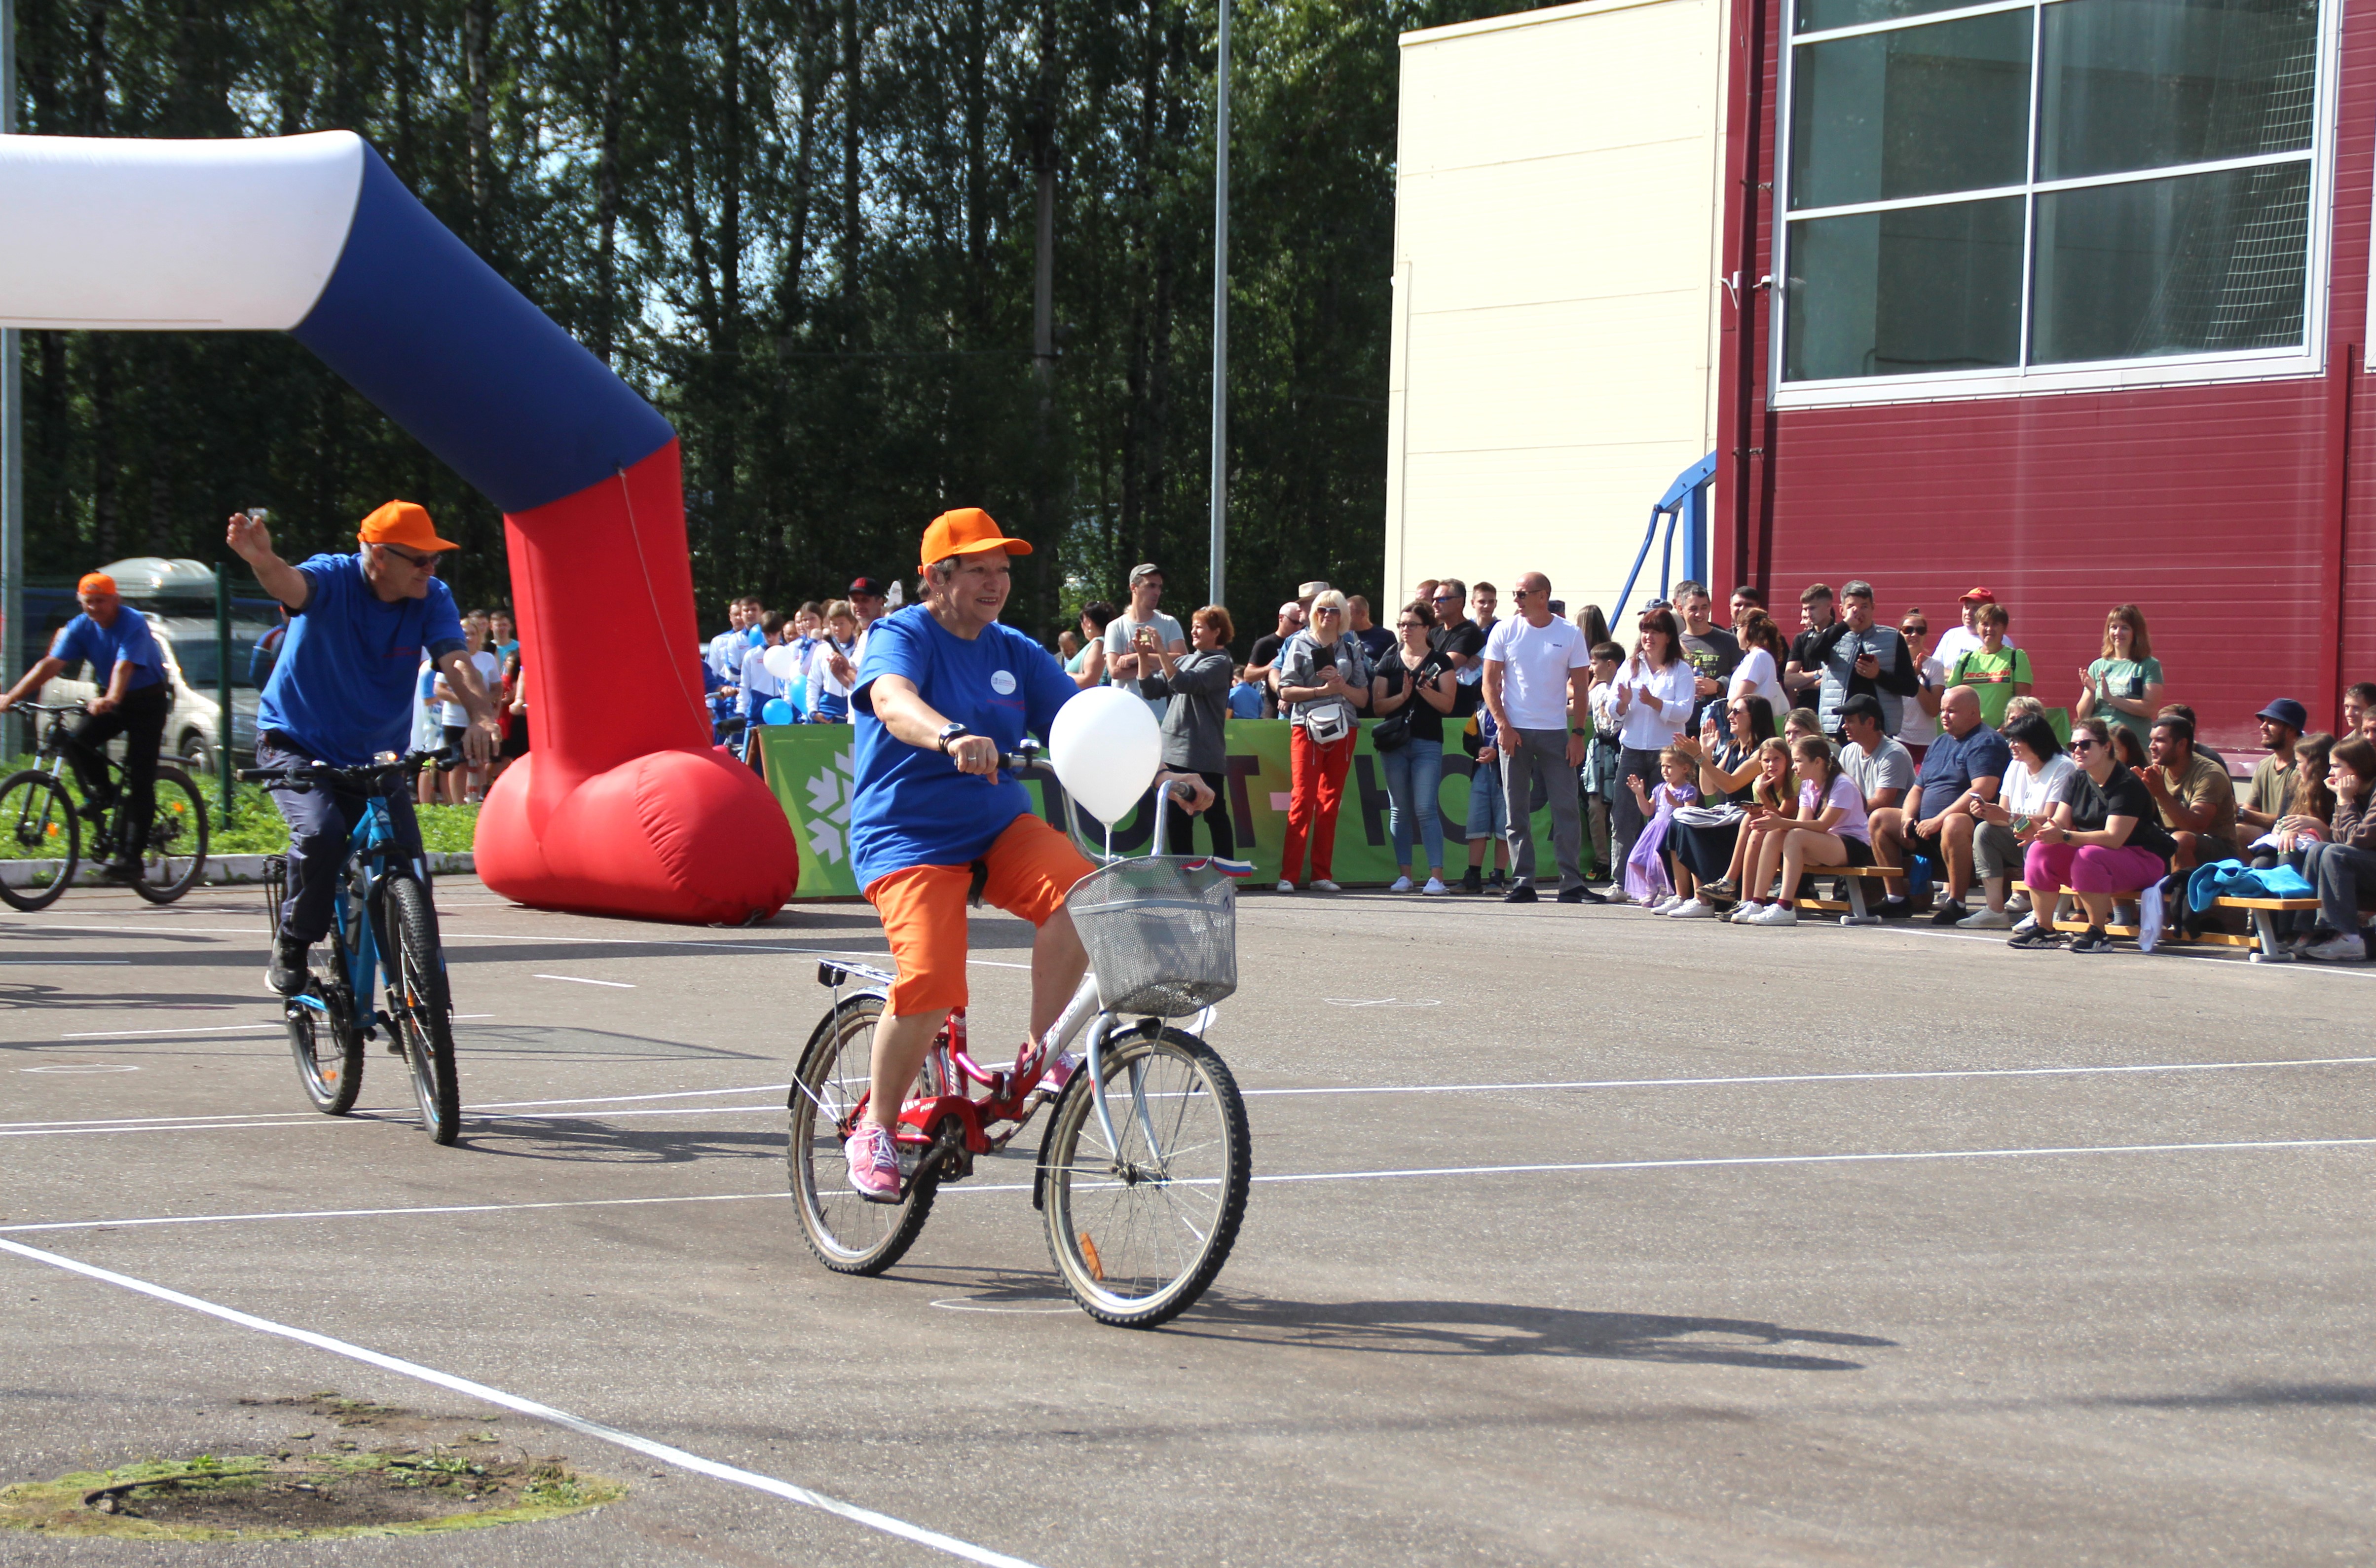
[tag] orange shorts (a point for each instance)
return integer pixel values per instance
(1032, 866)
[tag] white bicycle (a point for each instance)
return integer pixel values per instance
(1144, 1170)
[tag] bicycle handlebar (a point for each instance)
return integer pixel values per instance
(371, 777)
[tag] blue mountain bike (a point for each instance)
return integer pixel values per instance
(384, 927)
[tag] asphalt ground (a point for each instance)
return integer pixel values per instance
(1577, 1237)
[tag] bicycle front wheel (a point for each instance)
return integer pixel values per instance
(849, 1234)
(1139, 1230)
(38, 822)
(176, 854)
(328, 1044)
(419, 1008)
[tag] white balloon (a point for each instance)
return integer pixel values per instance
(1107, 749)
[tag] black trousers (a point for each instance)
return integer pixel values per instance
(140, 719)
(320, 823)
(1178, 824)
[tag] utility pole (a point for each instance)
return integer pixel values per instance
(1215, 572)
(12, 431)
(1043, 311)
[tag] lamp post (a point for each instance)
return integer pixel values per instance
(12, 429)
(1221, 318)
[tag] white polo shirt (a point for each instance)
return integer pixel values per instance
(1536, 662)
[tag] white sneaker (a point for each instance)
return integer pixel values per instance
(1435, 888)
(2017, 906)
(1285, 885)
(1668, 905)
(2337, 949)
(1322, 885)
(1694, 909)
(1986, 919)
(1743, 913)
(1775, 914)
(1401, 885)
(2026, 923)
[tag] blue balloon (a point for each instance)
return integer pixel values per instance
(777, 711)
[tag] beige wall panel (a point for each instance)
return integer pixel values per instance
(1542, 375)
(1558, 229)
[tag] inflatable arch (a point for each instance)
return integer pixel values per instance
(623, 807)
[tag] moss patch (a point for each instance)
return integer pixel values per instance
(426, 1474)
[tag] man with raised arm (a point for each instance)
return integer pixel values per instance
(342, 694)
(944, 691)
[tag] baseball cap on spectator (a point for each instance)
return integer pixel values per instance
(95, 582)
(405, 523)
(2287, 711)
(1865, 704)
(872, 587)
(1145, 569)
(1979, 596)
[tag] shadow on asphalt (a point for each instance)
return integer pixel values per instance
(604, 1143)
(1446, 1328)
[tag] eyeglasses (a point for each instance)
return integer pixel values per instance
(1443, 598)
(2083, 743)
(1915, 631)
(418, 562)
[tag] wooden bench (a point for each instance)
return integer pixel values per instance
(1858, 911)
(2264, 941)
(2171, 930)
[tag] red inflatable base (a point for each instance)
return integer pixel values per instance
(623, 807)
(677, 836)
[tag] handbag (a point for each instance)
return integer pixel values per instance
(1328, 723)
(1393, 733)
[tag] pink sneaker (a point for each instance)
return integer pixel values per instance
(873, 1158)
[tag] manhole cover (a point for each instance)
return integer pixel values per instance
(421, 1473)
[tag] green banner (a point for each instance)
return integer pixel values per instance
(809, 767)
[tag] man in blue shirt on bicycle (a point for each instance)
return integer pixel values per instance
(945, 690)
(342, 693)
(134, 701)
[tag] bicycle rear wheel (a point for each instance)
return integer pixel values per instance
(1139, 1231)
(176, 854)
(418, 1005)
(37, 818)
(328, 1044)
(849, 1234)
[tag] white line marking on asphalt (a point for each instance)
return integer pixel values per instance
(1827, 1077)
(1311, 1176)
(63, 963)
(1380, 1002)
(615, 1099)
(384, 1213)
(959, 1304)
(463, 1386)
(128, 1033)
(580, 980)
(75, 1067)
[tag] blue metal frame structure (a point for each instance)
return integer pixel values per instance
(1682, 509)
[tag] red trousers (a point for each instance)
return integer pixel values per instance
(1317, 775)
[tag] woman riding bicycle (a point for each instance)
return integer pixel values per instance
(343, 692)
(944, 691)
(134, 700)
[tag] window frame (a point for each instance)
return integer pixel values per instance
(2160, 370)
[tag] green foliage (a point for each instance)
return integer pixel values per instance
(807, 228)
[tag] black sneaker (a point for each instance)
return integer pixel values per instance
(1472, 881)
(1948, 914)
(2092, 940)
(1896, 910)
(124, 868)
(96, 807)
(1580, 895)
(2036, 936)
(1498, 881)
(1521, 892)
(286, 973)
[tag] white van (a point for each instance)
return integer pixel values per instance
(178, 598)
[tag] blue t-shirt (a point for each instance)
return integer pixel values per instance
(1949, 765)
(128, 639)
(911, 807)
(343, 690)
(1245, 700)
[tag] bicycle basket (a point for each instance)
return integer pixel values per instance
(1162, 932)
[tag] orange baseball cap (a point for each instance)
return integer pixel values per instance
(968, 530)
(1979, 596)
(405, 523)
(95, 582)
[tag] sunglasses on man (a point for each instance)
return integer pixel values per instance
(418, 562)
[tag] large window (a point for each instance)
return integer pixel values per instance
(2018, 188)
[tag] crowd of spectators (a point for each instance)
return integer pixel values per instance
(1700, 770)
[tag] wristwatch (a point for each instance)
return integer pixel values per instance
(951, 731)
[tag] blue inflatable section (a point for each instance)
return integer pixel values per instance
(414, 321)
